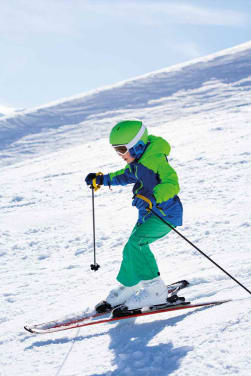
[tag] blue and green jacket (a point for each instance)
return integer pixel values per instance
(152, 174)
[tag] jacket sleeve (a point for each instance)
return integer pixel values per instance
(121, 177)
(169, 185)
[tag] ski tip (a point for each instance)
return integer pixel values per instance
(28, 329)
(184, 282)
(223, 301)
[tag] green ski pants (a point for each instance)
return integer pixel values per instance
(138, 262)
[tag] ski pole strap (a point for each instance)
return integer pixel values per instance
(94, 183)
(147, 200)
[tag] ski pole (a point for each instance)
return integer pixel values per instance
(188, 241)
(94, 266)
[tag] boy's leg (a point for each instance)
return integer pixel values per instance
(138, 261)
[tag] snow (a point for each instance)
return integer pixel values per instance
(203, 109)
(7, 111)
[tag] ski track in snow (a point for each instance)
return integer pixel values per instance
(203, 109)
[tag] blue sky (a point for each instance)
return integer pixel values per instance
(52, 49)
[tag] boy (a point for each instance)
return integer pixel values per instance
(156, 183)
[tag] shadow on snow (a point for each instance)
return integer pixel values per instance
(134, 355)
(130, 344)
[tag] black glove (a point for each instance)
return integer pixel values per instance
(92, 175)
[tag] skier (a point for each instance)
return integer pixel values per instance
(155, 184)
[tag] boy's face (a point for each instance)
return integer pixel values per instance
(128, 158)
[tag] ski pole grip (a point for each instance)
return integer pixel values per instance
(147, 200)
(94, 183)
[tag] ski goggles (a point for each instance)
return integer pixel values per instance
(120, 149)
(124, 148)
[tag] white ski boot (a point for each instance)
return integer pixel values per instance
(116, 297)
(120, 294)
(153, 292)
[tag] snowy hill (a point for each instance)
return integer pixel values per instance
(203, 109)
(203, 82)
(7, 111)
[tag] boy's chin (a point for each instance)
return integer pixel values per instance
(130, 160)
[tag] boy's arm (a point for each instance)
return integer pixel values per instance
(121, 177)
(169, 185)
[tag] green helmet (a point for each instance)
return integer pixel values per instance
(129, 133)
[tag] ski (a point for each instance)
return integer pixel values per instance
(67, 323)
(150, 311)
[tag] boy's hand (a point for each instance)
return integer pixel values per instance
(140, 203)
(94, 176)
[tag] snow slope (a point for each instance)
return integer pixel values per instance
(203, 108)
(7, 111)
(219, 79)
